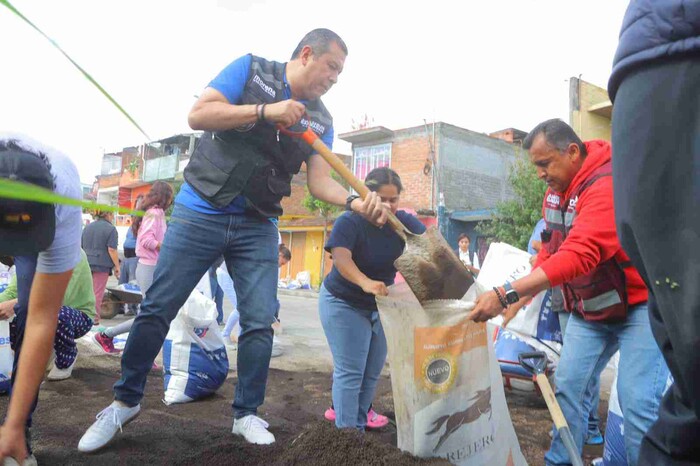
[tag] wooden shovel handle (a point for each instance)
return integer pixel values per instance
(314, 141)
(550, 399)
(558, 418)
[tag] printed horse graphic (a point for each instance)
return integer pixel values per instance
(454, 421)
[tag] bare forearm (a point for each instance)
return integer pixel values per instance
(328, 190)
(531, 284)
(220, 116)
(42, 316)
(115, 256)
(347, 267)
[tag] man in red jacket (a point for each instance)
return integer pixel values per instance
(603, 291)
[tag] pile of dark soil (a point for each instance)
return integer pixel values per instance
(323, 444)
(320, 444)
(200, 432)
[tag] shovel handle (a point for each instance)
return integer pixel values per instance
(559, 420)
(345, 173)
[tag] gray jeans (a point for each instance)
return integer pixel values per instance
(144, 277)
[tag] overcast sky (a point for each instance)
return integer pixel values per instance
(482, 65)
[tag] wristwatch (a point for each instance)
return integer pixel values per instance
(348, 201)
(512, 296)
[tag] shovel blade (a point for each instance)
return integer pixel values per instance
(432, 269)
(535, 362)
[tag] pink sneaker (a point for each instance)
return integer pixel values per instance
(375, 420)
(105, 342)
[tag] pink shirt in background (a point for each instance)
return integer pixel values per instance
(151, 232)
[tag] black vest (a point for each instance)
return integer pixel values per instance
(254, 160)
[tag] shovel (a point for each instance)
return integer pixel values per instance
(428, 264)
(536, 362)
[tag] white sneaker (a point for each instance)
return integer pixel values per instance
(52, 359)
(109, 421)
(28, 461)
(253, 429)
(60, 374)
(276, 348)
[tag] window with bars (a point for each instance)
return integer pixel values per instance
(367, 158)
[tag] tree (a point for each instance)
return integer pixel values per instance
(325, 210)
(514, 220)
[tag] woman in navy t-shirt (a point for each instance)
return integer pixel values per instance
(363, 267)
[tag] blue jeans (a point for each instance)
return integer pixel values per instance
(641, 379)
(192, 243)
(357, 341)
(593, 388)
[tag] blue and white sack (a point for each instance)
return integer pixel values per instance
(6, 357)
(614, 453)
(6, 353)
(194, 355)
(509, 345)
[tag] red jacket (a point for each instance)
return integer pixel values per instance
(593, 236)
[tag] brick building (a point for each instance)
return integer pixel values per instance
(452, 177)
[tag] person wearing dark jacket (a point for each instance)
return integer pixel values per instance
(655, 87)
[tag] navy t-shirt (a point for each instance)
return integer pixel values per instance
(374, 251)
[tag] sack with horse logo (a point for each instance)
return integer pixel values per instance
(446, 382)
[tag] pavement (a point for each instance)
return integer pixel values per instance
(302, 339)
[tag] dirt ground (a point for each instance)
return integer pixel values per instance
(199, 432)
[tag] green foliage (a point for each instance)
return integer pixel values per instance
(514, 220)
(322, 208)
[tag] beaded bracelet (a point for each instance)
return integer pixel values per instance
(501, 298)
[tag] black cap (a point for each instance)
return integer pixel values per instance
(26, 227)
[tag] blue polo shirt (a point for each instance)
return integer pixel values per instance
(374, 251)
(231, 82)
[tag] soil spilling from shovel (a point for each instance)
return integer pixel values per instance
(432, 269)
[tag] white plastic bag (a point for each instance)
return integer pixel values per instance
(448, 394)
(304, 279)
(504, 263)
(194, 356)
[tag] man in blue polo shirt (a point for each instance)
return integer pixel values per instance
(239, 171)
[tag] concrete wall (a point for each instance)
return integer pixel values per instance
(473, 168)
(589, 124)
